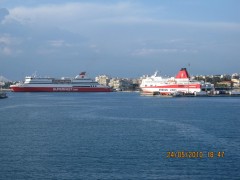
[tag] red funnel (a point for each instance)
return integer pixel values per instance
(182, 74)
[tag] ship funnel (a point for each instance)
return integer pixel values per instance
(182, 74)
(81, 75)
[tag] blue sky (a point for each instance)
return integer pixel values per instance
(118, 38)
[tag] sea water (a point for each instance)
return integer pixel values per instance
(118, 136)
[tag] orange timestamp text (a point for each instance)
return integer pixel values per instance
(195, 154)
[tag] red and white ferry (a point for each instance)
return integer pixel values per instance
(45, 84)
(179, 84)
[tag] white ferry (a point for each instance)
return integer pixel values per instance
(45, 84)
(179, 84)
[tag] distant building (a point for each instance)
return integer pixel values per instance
(235, 76)
(226, 77)
(225, 84)
(103, 79)
(2, 83)
(124, 84)
(118, 84)
(236, 80)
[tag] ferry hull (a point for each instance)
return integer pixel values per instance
(172, 88)
(46, 84)
(60, 89)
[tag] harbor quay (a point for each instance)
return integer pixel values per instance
(223, 84)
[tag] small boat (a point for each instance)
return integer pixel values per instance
(234, 93)
(150, 93)
(3, 95)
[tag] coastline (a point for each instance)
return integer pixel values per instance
(5, 90)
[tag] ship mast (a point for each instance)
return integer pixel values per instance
(189, 76)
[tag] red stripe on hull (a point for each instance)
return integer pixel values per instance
(61, 89)
(176, 86)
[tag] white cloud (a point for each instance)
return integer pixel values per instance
(113, 33)
(72, 15)
(56, 43)
(208, 25)
(59, 43)
(45, 51)
(111, 26)
(7, 45)
(6, 51)
(70, 12)
(5, 40)
(3, 13)
(151, 52)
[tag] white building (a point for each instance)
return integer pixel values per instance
(103, 79)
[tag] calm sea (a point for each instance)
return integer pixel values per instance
(118, 136)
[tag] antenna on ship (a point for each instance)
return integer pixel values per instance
(189, 70)
(35, 74)
(188, 75)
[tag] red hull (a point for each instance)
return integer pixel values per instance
(61, 89)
